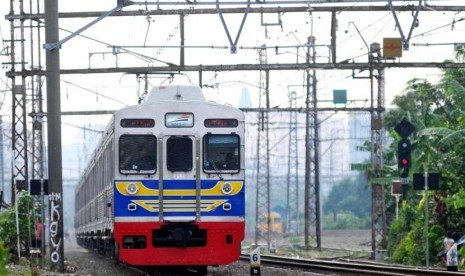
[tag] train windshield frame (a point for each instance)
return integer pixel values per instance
(221, 152)
(137, 154)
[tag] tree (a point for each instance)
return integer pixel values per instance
(349, 196)
(436, 111)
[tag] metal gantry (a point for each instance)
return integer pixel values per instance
(17, 63)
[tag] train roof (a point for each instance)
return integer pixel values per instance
(175, 98)
(175, 93)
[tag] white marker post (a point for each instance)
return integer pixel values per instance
(255, 262)
(452, 258)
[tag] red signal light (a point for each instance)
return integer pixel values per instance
(403, 154)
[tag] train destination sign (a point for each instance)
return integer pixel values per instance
(221, 123)
(137, 123)
(179, 119)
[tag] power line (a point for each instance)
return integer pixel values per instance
(94, 92)
(83, 128)
(440, 27)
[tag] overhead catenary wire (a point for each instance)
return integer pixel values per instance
(125, 50)
(455, 21)
(83, 128)
(93, 92)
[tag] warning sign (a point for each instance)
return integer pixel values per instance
(392, 47)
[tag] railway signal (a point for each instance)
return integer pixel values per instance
(404, 153)
(404, 157)
(404, 149)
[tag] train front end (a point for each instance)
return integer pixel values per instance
(179, 193)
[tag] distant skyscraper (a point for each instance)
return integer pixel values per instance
(360, 131)
(244, 101)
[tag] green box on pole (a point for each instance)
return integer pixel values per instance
(339, 96)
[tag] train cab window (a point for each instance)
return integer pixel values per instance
(137, 154)
(221, 153)
(179, 154)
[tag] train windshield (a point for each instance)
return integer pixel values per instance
(221, 152)
(179, 154)
(137, 154)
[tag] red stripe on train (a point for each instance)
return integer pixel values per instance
(217, 251)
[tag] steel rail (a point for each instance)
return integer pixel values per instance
(349, 267)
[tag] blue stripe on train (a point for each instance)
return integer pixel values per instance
(146, 206)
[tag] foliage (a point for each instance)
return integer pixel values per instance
(349, 196)
(346, 221)
(436, 236)
(3, 259)
(462, 256)
(438, 146)
(348, 205)
(407, 239)
(400, 228)
(26, 224)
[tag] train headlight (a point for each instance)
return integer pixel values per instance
(132, 188)
(226, 188)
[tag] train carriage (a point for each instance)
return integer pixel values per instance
(165, 186)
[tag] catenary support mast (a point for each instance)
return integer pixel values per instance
(54, 136)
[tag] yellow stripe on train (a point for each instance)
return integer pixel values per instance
(179, 205)
(138, 189)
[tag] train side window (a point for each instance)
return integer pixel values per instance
(221, 153)
(179, 154)
(137, 154)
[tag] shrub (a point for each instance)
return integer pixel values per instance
(346, 221)
(3, 259)
(8, 234)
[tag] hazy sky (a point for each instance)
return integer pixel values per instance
(112, 91)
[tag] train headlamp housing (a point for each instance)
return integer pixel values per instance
(132, 188)
(226, 188)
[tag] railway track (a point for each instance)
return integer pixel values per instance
(347, 267)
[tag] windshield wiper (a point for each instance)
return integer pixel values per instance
(216, 170)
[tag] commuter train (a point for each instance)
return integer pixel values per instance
(165, 185)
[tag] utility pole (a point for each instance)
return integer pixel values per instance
(263, 158)
(378, 213)
(38, 150)
(292, 191)
(316, 151)
(54, 135)
(312, 189)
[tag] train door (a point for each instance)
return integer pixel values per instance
(179, 160)
(179, 177)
